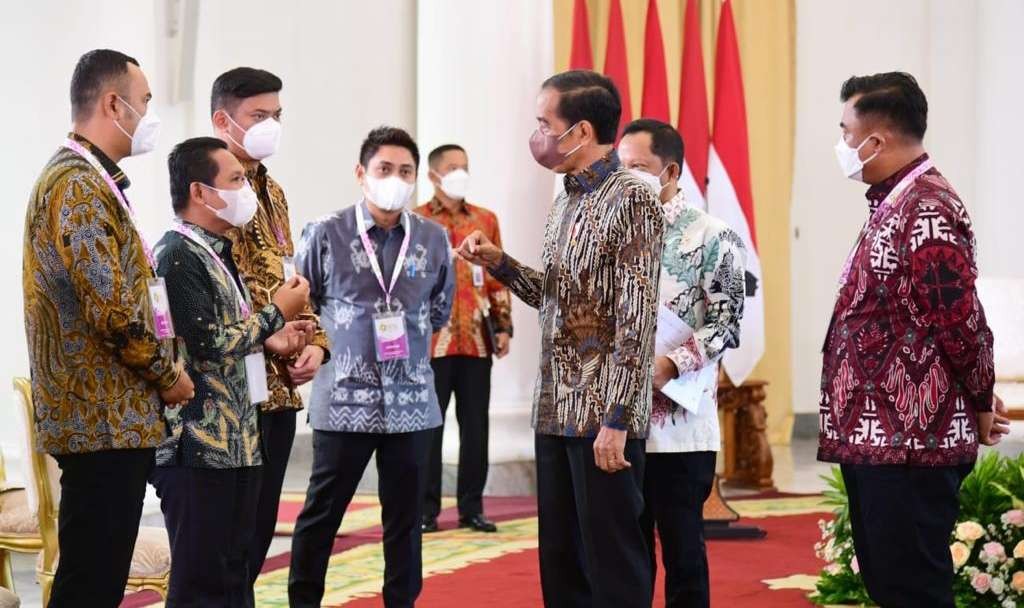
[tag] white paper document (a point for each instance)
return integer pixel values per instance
(686, 390)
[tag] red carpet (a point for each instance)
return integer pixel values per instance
(738, 568)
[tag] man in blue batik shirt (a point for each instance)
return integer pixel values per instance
(381, 280)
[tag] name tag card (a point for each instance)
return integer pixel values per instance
(289, 267)
(478, 276)
(163, 325)
(390, 336)
(256, 377)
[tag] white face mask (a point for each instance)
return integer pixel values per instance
(147, 132)
(654, 181)
(849, 159)
(455, 184)
(388, 194)
(239, 205)
(261, 140)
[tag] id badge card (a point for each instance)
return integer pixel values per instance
(163, 325)
(288, 262)
(390, 336)
(478, 276)
(256, 377)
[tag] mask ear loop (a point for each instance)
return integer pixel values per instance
(872, 157)
(562, 136)
(228, 132)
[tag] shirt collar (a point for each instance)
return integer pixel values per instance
(674, 207)
(108, 165)
(257, 170)
(592, 177)
(438, 208)
(374, 229)
(220, 244)
(877, 193)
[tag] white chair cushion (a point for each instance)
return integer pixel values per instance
(152, 556)
(15, 517)
(1002, 298)
(8, 599)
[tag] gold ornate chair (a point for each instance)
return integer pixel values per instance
(19, 532)
(151, 562)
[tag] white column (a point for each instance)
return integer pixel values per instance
(480, 66)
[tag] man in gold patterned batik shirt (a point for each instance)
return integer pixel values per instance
(209, 470)
(246, 114)
(101, 372)
(598, 295)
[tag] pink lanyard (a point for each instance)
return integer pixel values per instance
(374, 264)
(889, 201)
(80, 150)
(188, 233)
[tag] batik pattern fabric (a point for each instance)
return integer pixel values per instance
(597, 294)
(259, 249)
(96, 363)
(219, 427)
(354, 392)
(702, 282)
(464, 333)
(908, 354)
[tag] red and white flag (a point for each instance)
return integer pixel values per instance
(655, 100)
(729, 192)
(581, 55)
(693, 111)
(616, 65)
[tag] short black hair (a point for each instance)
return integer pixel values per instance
(192, 161)
(435, 155)
(233, 86)
(93, 72)
(587, 95)
(666, 143)
(387, 136)
(892, 96)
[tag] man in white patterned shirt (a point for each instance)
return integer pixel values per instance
(702, 283)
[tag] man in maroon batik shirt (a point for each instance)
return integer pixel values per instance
(908, 373)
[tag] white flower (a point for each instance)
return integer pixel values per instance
(833, 569)
(854, 565)
(998, 586)
(1009, 603)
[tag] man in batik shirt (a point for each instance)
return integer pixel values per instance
(702, 286)
(480, 326)
(246, 114)
(598, 299)
(906, 386)
(102, 370)
(209, 470)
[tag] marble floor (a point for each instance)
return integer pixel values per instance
(796, 470)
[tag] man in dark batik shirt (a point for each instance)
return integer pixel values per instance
(209, 469)
(908, 372)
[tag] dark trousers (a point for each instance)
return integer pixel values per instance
(592, 548)
(101, 496)
(675, 488)
(209, 515)
(902, 517)
(277, 430)
(339, 460)
(469, 378)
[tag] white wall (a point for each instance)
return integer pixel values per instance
(967, 57)
(480, 67)
(346, 67)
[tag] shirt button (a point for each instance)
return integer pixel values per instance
(932, 442)
(897, 440)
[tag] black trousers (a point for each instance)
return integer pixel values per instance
(469, 378)
(277, 430)
(98, 521)
(675, 488)
(209, 515)
(592, 548)
(901, 518)
(339, 460)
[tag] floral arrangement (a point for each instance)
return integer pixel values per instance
(987, 544)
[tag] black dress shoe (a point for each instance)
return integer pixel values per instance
(478, 523)
(429, 524)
